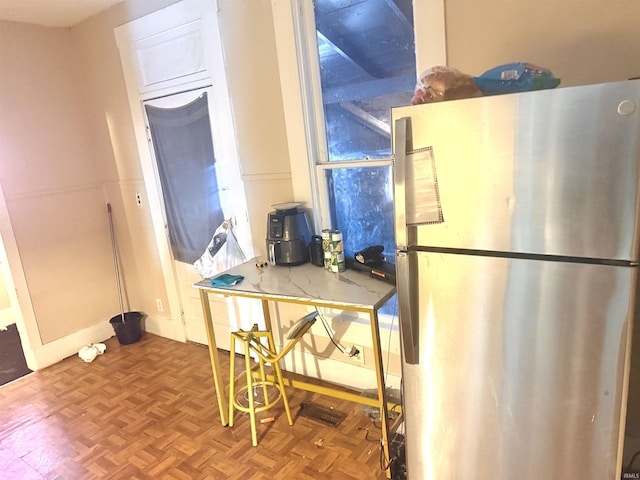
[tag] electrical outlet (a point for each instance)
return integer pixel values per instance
(159, 305)
(139, 199)
(356, 353)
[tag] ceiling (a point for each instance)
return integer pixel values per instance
(52, 13)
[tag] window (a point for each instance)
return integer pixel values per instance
(366, 63)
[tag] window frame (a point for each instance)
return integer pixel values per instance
(311, 88)
(295, 32)
(296, 46)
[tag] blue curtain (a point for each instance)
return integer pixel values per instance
(186, 165)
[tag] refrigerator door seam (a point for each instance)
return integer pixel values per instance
(526, 256)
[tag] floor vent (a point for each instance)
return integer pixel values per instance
(322, 414)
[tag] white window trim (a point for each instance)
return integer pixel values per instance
(294, 26)
(295, 34)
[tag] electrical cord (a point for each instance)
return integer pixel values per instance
(326, 327)
(633, 459)
(384, 462)
(393, 320)
(366, 435)
(387, 463)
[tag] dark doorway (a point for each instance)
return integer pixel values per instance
(12, 362)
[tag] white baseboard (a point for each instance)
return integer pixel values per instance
(57, 350)
(165, 327)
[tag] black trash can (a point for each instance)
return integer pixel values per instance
(127, 331)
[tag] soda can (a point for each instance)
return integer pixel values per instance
(337, 262)
(326, 247)
(336, 241)
(327, 260)
(337, 252)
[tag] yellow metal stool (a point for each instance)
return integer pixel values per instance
(253, 341)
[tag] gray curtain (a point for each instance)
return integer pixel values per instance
(186, 164)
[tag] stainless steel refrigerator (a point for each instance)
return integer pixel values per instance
(517, 231)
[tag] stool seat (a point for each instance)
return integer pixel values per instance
(253, 341)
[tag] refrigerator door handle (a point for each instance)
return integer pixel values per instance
(406, 307)
(399, 180)
(405, 295)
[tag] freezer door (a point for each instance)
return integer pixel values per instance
(521, 369)
(553, 172)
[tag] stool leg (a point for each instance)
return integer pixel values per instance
(277, 371)
(232, 380)
(263, 377)
(252, 407)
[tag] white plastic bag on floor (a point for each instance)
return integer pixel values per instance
(222, 253)
(88, 353)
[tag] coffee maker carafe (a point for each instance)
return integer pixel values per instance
(288, 235)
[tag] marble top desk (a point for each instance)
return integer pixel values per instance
(309, 285)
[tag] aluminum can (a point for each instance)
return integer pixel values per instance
(326, 247)
(337, 252)
(336, 241)
(337, 262)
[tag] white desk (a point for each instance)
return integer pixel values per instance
(309, 285)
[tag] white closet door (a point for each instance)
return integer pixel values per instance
(169, 57)
(228, 190)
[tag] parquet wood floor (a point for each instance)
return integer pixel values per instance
(148, 411)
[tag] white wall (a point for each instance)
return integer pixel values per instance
(580, 41)
(254, 83)
(55, 233)
(57, 170)
(67, 148)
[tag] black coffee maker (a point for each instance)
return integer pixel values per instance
(288, 235)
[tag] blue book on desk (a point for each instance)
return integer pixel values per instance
(226, 280)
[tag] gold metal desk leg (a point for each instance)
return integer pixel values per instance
(223, 404)
(384, 418)
(266, 314)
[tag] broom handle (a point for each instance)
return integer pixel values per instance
(115, 259)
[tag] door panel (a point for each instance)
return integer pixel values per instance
(552, 172)
(521, 368)
(230, 191)
(146, 44)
